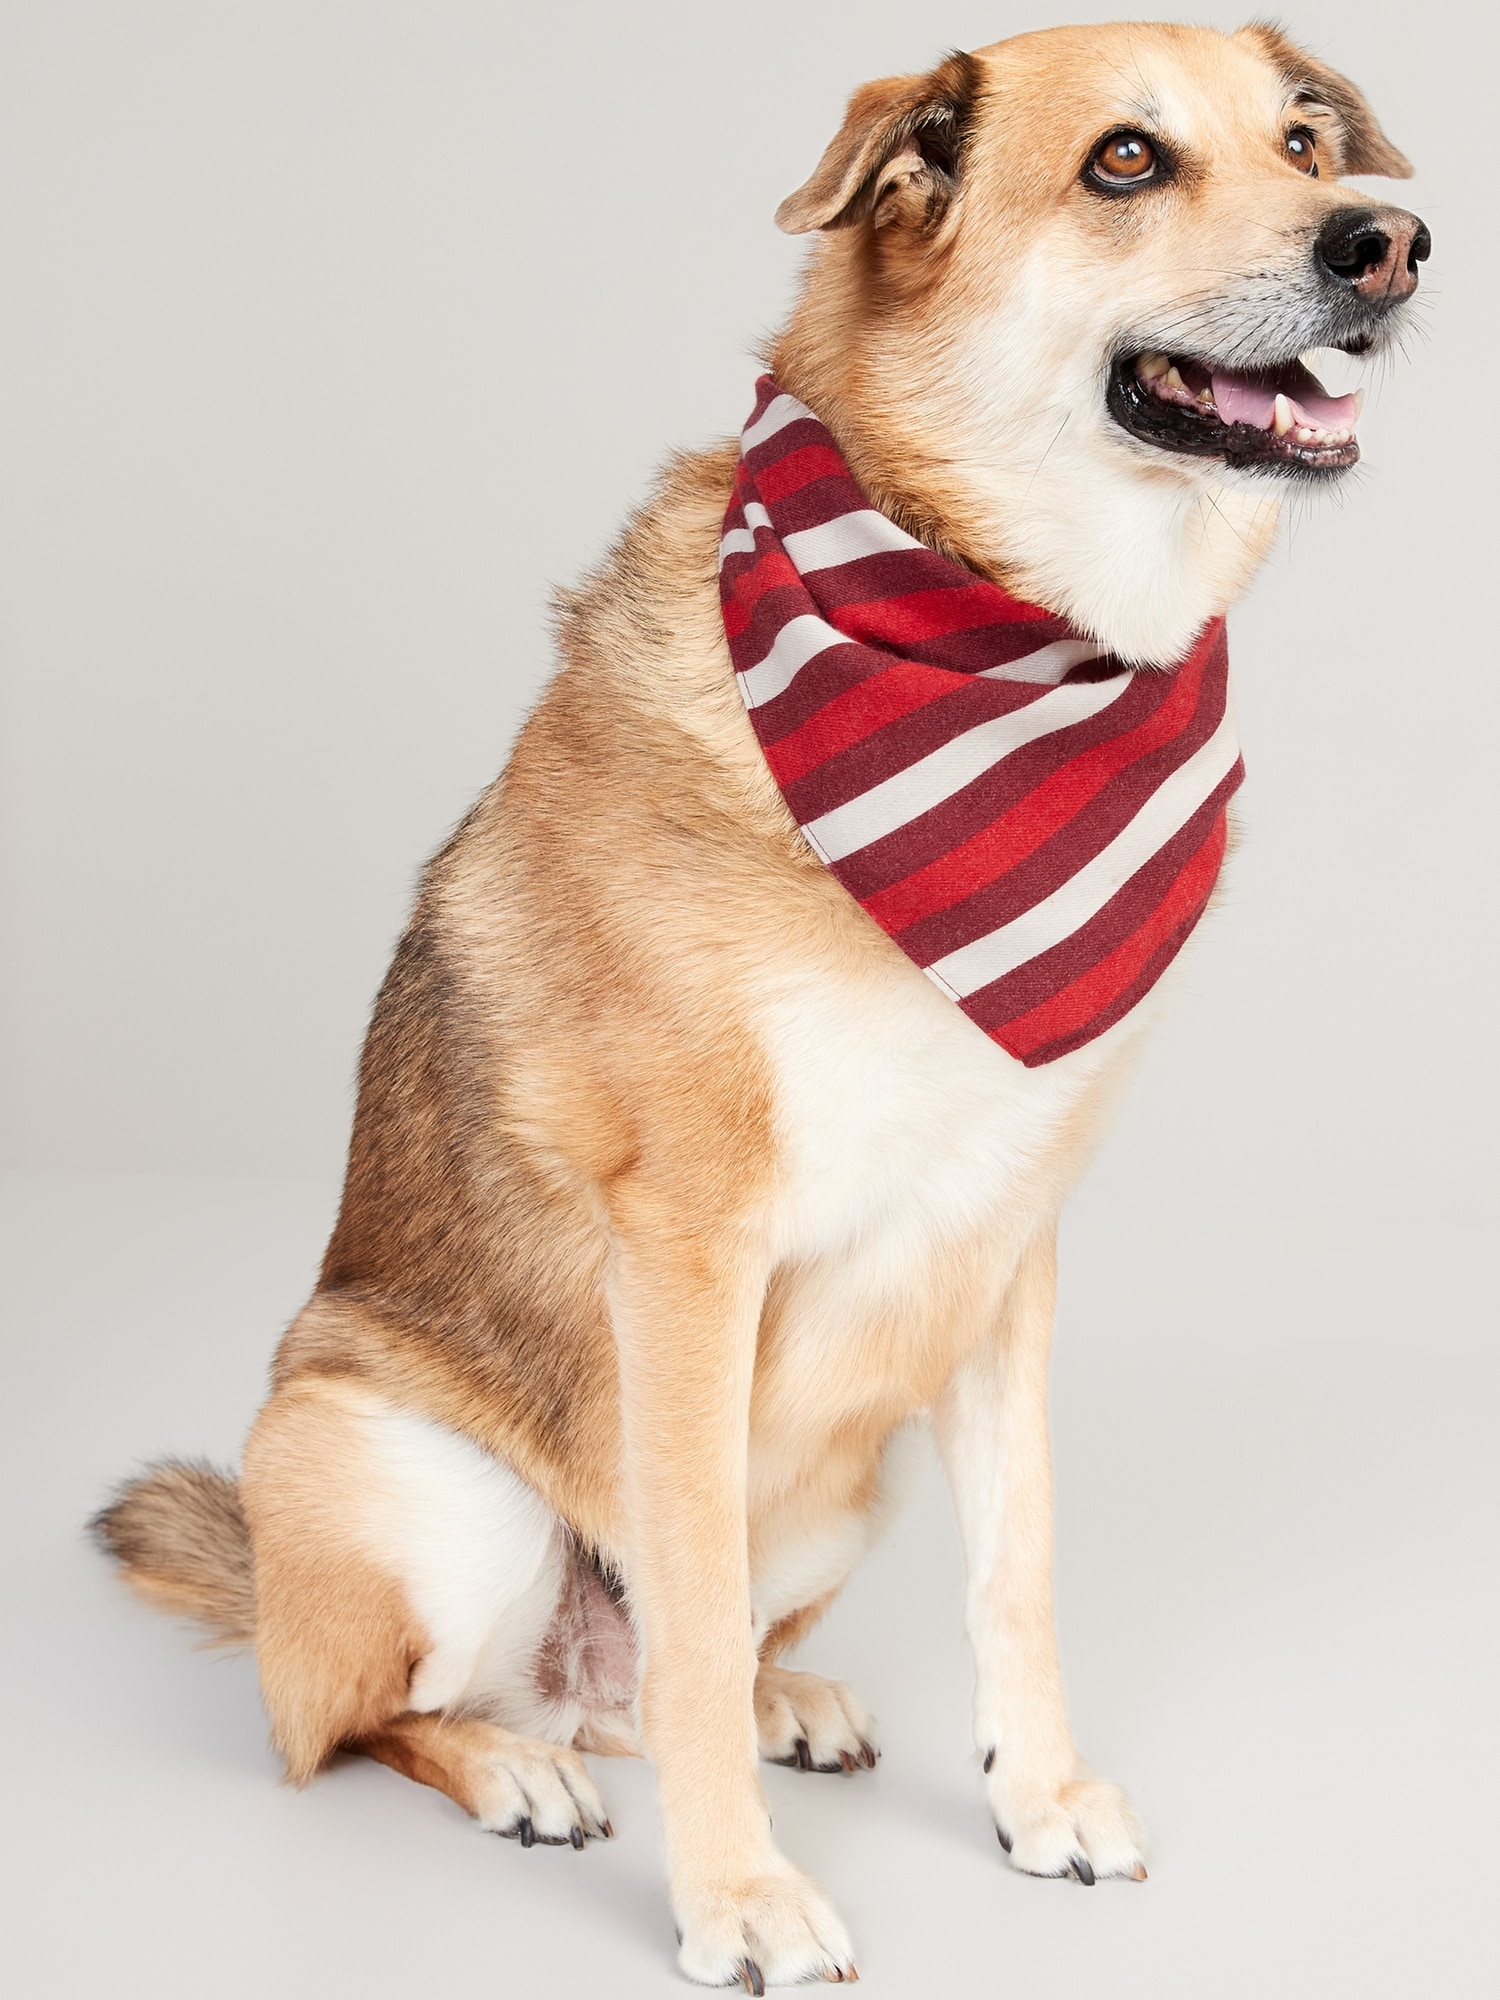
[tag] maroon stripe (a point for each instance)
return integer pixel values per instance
(889, 573)
(775, 609)
(813, 505)
(791, 437)
(1048, 973)
(986, 646)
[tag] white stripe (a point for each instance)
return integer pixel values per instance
(778, 413)
(921, 786)
(741, 541)
(798, 641)
(1083, 895)
(844, 539)
(1047, 663)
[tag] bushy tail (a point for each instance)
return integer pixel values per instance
(179, 1534)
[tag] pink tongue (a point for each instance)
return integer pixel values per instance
(1251, 399)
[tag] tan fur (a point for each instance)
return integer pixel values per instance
(179, 1534)
(580, 1227)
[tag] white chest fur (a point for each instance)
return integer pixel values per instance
(903, 1126)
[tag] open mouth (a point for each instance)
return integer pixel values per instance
(1281, 418)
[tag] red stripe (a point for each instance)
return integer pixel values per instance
(961, 870)
(857, 713)
(1088, 996)
(774, 568)
(798, 468)
(927, 614)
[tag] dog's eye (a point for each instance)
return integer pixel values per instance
(1302, 150)
(1125, 159)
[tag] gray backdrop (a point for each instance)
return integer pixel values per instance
(334, 335)
(330, 336)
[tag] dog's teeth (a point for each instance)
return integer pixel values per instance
(1206, 397)
(1359, 404)
(1283, 419)
(1150, 366)
(1172, 379)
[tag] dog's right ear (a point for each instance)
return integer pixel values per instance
(897, 156)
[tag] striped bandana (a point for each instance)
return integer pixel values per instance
(1036, 825)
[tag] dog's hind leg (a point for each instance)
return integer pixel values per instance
(405, 1584)
(514, 1785)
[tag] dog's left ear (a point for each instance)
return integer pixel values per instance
(1366, 149)
(896, 157)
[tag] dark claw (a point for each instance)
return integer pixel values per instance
(1003, 1837)
(1083, 1871)
(609, 1834)
(989, 1762)
(804, 1761)
(527, 1830)
(750, 1978)
(847, 1762)
(575, 1834)
(868, 1755)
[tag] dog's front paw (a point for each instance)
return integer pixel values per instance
(1084, 1828)
(813, 1724)
(775, 1929)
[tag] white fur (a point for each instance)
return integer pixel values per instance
(480, 1556)
(902, 1125)
(1138, 548)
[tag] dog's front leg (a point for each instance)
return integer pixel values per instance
(686, 1313)
(1052, 1814)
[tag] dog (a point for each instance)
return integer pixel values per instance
(677, 1196)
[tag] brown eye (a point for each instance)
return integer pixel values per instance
(1126, 159)
(1302, 150)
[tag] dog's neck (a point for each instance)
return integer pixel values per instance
(1037, 499)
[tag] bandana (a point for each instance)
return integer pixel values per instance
(1038, 826)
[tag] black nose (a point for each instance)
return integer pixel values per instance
(1375, 251)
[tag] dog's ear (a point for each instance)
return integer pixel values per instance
(1366, 149)
(897, 155)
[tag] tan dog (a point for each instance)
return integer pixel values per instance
(676, 1194)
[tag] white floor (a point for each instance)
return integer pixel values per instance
(1278, 1485)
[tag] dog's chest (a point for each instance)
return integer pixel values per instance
(902, 1127)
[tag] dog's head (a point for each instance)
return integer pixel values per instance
(1066, 288)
